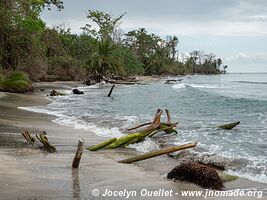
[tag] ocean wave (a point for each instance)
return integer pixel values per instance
(179, 86)
(249, 168)
(146, 146)
(77, 123)
(184, 85)
(251, 82)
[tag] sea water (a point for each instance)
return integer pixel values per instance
(199, 103)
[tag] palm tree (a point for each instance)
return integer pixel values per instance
(106, 60)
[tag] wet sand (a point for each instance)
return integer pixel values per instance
(27, 173)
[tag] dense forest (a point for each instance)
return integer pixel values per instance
(29, 48)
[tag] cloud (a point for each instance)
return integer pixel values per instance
(244, 58)
(214, 17)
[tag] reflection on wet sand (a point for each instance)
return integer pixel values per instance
(75, 183)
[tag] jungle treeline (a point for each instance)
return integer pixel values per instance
(27, 45)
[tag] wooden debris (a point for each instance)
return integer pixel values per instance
(153, 127)
(78, 155)
(56, 93)
(229, 126)
(44, 140)
(111, 90)
(158, 153)
(28, 137)
(101, 145)
(199, 174)
(171, 81)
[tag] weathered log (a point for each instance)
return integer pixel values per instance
(166, 129)
(28, 137)
(101, 145)
(158, 153)
(56, 93)
(161, 126)
(135, 137)
(78, 155)
(229, 126)
(44, 140)
(120, 82)
(172, 80)
(128, 139)
(153, 127)
(111, 90)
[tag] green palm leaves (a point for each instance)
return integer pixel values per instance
(107, 60)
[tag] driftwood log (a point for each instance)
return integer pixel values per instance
(229, 126)
(171, 81)
(78, 155)
(152, 128)
(101, 145)
(158, 153)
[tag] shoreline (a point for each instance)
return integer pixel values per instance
(97, 169)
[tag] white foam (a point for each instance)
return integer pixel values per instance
(77, 123)
(179, 86)
(202, 86)
(147, 145)
(262, 178)
(184, 85)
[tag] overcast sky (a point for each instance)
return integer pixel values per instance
(235, 30)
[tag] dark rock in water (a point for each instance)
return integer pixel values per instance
(76, 91)
(199, 174)
(42, 89)
(56, 93)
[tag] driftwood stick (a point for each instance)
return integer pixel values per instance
(28, 137)
(101, 145)
(139, 126)
(158, 153)
(111, 90)
(78, 155)
(162, 129)
(44, 140)
(168, 116)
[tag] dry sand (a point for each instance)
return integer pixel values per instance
(27, 173)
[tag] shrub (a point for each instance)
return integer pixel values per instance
(17, 82)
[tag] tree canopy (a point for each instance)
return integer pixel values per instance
(27, 45)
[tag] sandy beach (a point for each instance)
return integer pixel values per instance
(27, 173)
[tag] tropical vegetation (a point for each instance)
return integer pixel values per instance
(29, 46)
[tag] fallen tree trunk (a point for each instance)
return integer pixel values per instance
(229, 126)
(153, 127)
(172, 80)
(101, 145)
(78, 155)
(120, 82)
(158, 153)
